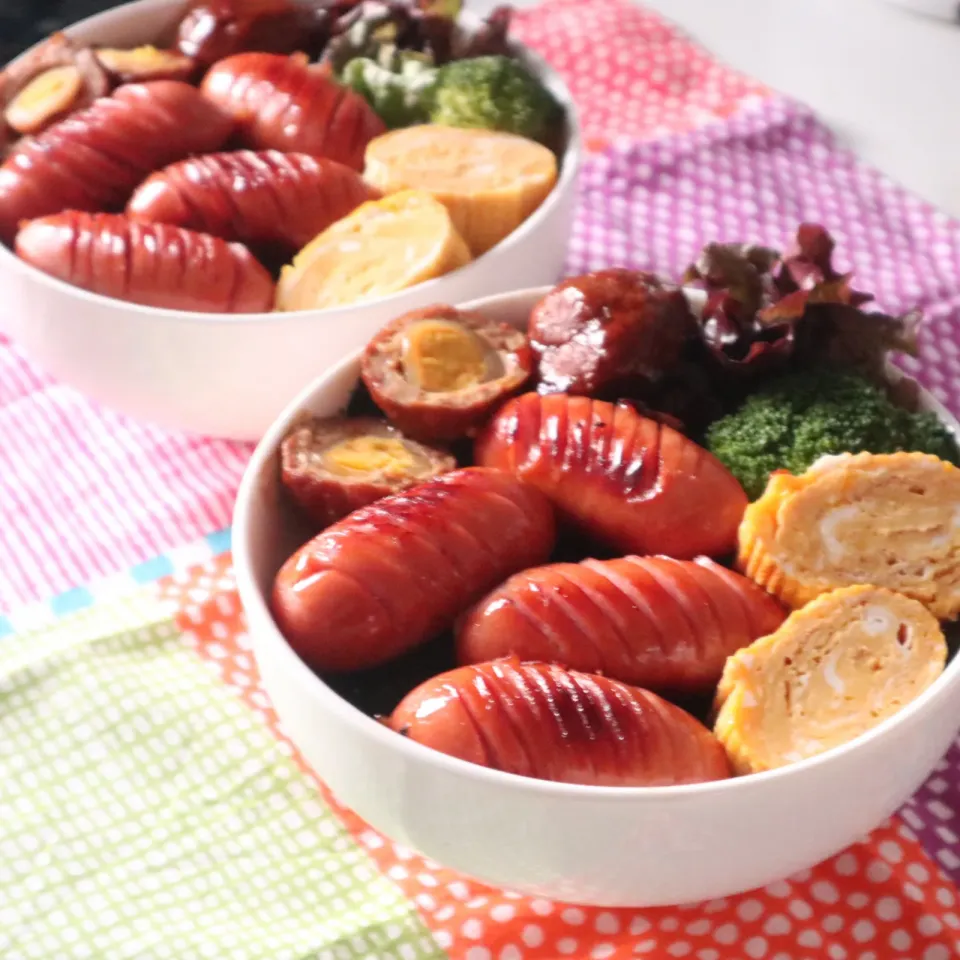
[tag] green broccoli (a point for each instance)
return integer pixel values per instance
(493, 93)
(399, 85)
(803, 416)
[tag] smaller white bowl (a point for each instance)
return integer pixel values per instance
(598, 845)
(230, 375)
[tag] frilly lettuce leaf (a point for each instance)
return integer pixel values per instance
(767, 310)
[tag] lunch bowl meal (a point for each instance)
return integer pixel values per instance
(621, 591)
(203, 201)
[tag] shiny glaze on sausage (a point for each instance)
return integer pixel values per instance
(282, 103)
(392, 575)
(213, 29)
(93, 159)
(541, 720)
(607, 330)
(626, 481)
(653, 621)
(262, 198)
(151, 264)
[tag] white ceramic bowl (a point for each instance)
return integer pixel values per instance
(231, 375)
(598, 845)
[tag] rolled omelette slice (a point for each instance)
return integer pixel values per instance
(489, 181)
(892, 520)
(382, 247)
(832, 671)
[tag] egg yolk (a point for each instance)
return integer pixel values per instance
(440, 357)
(366, 454)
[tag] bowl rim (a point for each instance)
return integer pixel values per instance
(254, 601)
(570, 162)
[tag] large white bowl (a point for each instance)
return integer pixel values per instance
(231, 375)
(598, 845)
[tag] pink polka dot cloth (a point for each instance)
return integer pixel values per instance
(633, 74)
(685, 151)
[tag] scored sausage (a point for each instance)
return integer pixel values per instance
(439, 372)
(540, 720)
(266, 197)
(629, 482)
(333, 466)
(282, 103)
(94, 158)
(653, 621)
(151, 264)
(394, 574)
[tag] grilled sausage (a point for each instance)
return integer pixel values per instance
(394, 574)
(94, 158)
(261, 198)
(333, 466)
(539, 720)
(631, 483)
(213, 29)
(439, 372)
(656, 622)
(282, 103)
(608, 331)
(152, 264)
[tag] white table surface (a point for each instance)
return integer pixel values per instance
(886, 80)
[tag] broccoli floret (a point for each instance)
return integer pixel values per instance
(929, 435)
(399, 87)
(493, 93)
(752, 442)
(804, 416)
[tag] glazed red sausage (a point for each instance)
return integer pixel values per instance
(543, 721)
(94, 158)
(282, 103)
(213, 29)
(396, 573)
(607, 330)
(653, 621)
(625, 480)
(152, 264)
(268, 197)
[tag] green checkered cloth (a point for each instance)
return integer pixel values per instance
(147, 813)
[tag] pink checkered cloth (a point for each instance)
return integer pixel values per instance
(684, 151)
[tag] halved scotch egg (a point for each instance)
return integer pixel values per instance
(44, 99)
(57, 78)
(336, 465)
(439, 372)
(892, 520)
(140, 64)
(831, 672)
